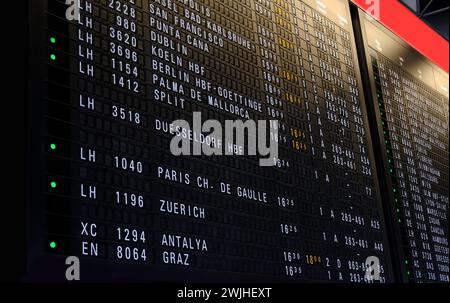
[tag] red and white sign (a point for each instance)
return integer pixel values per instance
(405, 24)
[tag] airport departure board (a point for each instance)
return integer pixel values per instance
(412, 105)
(108, 87)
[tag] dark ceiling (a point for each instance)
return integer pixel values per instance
(432, 12)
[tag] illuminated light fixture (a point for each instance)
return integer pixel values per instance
(321, 7)
(420, 73)
(321, 10)
(321, 4)
(342, 19)
(378, 45)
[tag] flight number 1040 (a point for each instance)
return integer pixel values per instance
(128, 164)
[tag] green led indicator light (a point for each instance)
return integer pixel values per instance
(395, 190)
(396, 200)
(408, 273)
(391, 170)
(398, 210)
(399, 220)
(386, 141)
(53, 245)
(53, 146)
(382, 122)
(53, 184)
(406, 262)
(53, 57)
(53, 40)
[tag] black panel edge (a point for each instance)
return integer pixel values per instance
(35, 118)
(393, 234)
(14, 139)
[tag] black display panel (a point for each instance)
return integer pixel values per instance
(105, 187)
(411, 105)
